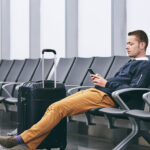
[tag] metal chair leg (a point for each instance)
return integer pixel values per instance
(134, 133)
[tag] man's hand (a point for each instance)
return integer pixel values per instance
(98, 80)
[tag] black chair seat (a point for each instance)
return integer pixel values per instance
(113, 111)
(95, 111)
(11, 100)
(1, 98)
(139, 114)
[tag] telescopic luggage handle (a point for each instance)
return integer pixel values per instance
(54, 52)
(48, 50)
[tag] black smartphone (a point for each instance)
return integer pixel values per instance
(91, 71)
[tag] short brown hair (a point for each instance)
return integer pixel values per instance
(141, 35)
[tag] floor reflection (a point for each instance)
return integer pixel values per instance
(75, 141)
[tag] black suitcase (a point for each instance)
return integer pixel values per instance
(33, 100)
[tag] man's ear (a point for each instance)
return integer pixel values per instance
(142, 45)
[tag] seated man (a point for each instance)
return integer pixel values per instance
(134, 74)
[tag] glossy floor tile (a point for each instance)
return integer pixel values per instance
(75, 141)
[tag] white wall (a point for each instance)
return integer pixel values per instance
(94, 36)
(19, 29)
(138, 16)
(53, 25)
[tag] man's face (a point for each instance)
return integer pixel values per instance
(133, 46)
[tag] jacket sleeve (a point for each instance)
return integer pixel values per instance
(140, 79)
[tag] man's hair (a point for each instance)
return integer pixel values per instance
(141, 35)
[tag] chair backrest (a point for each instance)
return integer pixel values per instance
(15, 70)
(100, 65)
(78, 71)
(63, 68)
(118, 62)
(5, 68)
(48, 64)
(14, 74)
(27, 72)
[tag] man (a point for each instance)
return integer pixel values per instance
(133, 74)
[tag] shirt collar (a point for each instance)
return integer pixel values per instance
(141, 58)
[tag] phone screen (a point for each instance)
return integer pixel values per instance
(91, 71)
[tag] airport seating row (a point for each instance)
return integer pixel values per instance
(73, 72)
(131, 112)
(70, 71)
(16, 72)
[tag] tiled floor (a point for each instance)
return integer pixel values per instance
(75, 141)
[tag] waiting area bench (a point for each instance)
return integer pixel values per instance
(73, 72)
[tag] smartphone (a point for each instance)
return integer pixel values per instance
(91, 71)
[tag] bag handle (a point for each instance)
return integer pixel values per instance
(54, 52)
(49, 50)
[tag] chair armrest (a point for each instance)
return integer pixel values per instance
(71, 85)
(9, 84)
(19, 85)
(3, 82)
(70, 91)
(117, 95)
(146, 98)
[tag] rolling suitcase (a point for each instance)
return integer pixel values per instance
(33, 100)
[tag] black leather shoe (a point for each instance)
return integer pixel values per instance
(7, 141)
